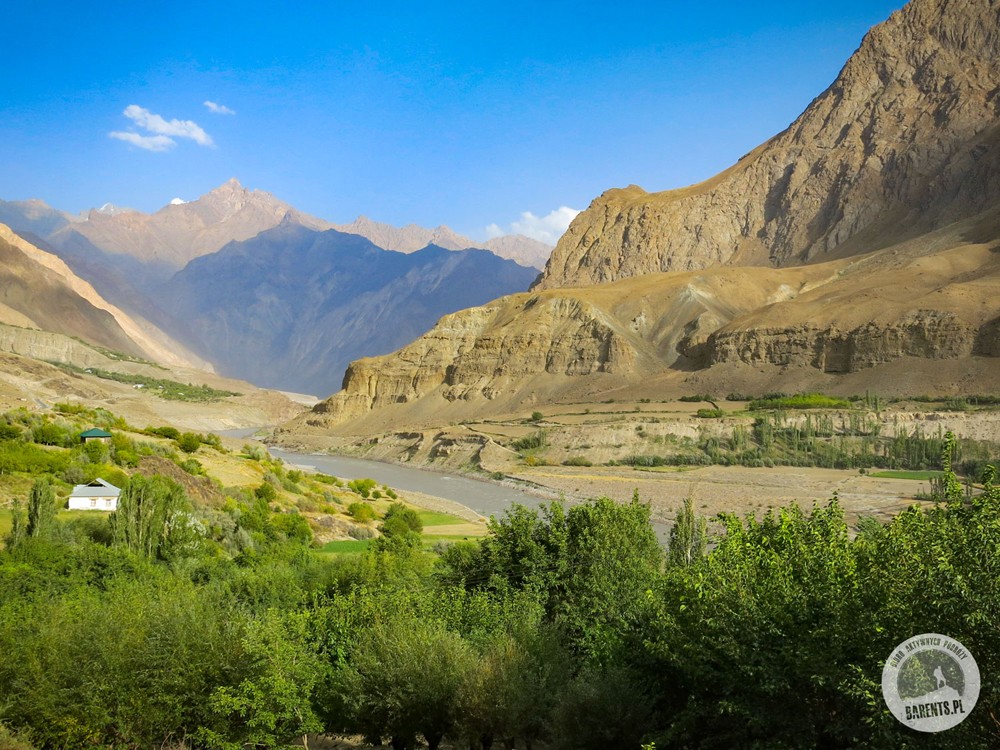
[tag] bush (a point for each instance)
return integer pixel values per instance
(189, 442)
(577, 461)
(361, 512)
(529, 442)
(709, 413)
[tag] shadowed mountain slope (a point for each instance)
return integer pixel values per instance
(291, 307)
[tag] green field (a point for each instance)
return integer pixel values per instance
(345, 547)
(434, 518)
(4, 522)
(917, 475)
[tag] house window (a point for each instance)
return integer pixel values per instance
(93, 502)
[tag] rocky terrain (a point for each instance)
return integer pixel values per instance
(860, 247)
(905, 140)
(41, 292)
(266, 293)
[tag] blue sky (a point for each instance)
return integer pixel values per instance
(465, 114)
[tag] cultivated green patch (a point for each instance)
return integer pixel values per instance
(168, 389)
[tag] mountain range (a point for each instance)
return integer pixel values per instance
(286, 300)
(859, 248)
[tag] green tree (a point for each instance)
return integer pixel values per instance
(511, 690)
(17, 525)
(272, 703)
(189, 442)
(688, 536)
(41, 507)
(401, 525)
(153, 517)
(403, 678)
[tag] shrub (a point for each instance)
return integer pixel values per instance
(709, 413)
(577, 461)
(189, 442)
(361, 512)
(529, 442)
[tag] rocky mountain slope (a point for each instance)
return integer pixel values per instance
(40, 291)
(834, 326)
(291, 307)
(907, 139)
(226, 308)
(858, 249)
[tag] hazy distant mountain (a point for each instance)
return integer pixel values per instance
(516, 247)
(180, 232)
(34, 216)
(280, 315)
(520, 249)
(292, 306)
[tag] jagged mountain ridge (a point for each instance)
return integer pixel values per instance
(408, 239)
(879, 206)
(34, 216)
(178, 233)
(130, 257)
(907, 139)
(292, 306)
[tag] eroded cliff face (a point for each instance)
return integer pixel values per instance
(927, 334)
(483, 353)
(907, 139)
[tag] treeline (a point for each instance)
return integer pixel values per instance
(834, 441)
(563, 628)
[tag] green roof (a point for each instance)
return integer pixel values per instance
(94, 432)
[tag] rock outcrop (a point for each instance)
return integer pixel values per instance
(906, 140)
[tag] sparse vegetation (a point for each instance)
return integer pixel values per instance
(168, 389)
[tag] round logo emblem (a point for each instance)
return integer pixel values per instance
(930, 682)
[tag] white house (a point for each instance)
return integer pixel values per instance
(98, 495)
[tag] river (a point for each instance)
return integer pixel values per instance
(485, 498)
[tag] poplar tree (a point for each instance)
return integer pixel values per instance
(41, 507)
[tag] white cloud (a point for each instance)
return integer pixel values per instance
(547, 229)
(218, 109)
(176, 128)
(163, 131)
(148, 142)
(178, 202)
